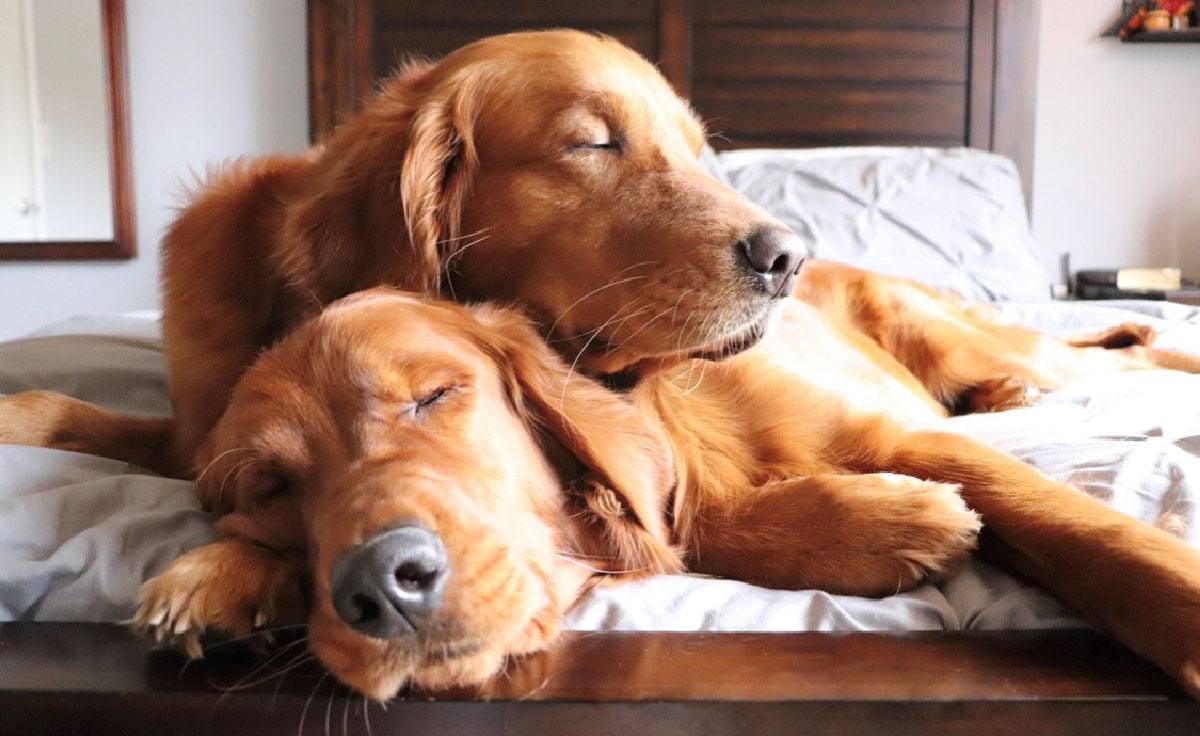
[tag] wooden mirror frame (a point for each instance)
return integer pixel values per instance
(123, 244)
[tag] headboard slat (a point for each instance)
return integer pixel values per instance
(884, 14)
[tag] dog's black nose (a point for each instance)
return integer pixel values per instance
(773, 257)
(390, 584)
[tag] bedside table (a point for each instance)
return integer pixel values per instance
(1185, 296)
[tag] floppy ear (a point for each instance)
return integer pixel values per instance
(413, 139)
(629, 468)
(438, 169)
(246, 475)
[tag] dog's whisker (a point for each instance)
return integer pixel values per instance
(683, 331)
(215, 460)
(604, 325)
(234, 472)
(645, 326)
(567, 379)
(618, 324)
(457, 253)
(329, 708)
(254, 634)
(598, 571)
(464, 236)
(612, 283)
(675, 309)
(366, 706)
(307, 703)
(703, 369)
(296, 663)
(246, 681)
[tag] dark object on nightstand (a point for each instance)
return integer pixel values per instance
(1103, 284)
(1188, 295)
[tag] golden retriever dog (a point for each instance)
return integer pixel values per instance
(433, 478)
(557, 171)
(440, 487)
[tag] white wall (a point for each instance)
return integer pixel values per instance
(208, 80)
(1117, 158)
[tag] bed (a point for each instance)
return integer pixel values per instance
(979, 650)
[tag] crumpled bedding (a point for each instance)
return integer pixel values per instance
(78, 534)
(951, 218)
(1130, 439)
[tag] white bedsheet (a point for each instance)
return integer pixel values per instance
(78, 535)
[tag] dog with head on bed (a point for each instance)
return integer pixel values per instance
(557, 171)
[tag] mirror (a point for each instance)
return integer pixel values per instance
(64, 168)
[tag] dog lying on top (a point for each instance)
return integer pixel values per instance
(556, 171)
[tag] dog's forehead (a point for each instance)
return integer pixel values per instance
(382, 316)
(399, 331)
(533, 78)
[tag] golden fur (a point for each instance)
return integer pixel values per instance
(809, 459)
(805, 461)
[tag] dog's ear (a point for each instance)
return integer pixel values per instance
(414, 140)
(439, 167)
(247, 475)
(629, 471)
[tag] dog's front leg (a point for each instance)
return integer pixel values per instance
(232, 586)
(1137, 581)
(876, 534)
(54, 420)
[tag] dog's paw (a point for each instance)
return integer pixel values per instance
(1000, 394)
(931, 529)
(229, 587)
(1124, 335)
(32, 418)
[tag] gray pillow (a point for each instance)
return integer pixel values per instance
(711, 163)
(952, 218)
(79, 534)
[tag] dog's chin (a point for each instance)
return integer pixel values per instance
(385, 676)
(621, 369)
(380, 669)
(467, 670)
(738, 341)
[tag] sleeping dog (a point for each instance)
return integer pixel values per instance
(558, 171)
(441, 486)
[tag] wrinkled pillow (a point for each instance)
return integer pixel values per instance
(952, 218)
(79, 534)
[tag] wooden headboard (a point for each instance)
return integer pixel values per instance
(762, 73)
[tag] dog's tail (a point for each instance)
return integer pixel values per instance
(47, 419)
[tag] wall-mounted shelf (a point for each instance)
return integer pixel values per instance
(1191, 35)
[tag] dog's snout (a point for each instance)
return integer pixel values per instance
(389, 585)
(773, 256)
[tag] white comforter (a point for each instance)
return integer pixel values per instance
(79, 534)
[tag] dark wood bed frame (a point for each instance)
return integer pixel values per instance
(763, 73)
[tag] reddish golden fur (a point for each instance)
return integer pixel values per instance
(462, 178)
(811, 459)
(322, 448)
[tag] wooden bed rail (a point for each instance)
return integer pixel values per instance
(101, 679)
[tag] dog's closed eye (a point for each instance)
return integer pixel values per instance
(423, 404)
(606, 145)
